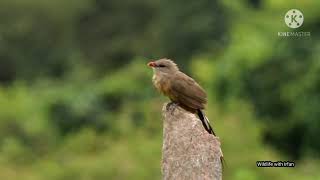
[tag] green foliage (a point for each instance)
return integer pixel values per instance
(278, 76)
(76, 100)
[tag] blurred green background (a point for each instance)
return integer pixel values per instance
(77, 102)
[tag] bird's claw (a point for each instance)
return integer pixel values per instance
(171, 107)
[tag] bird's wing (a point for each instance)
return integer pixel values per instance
(187, 92)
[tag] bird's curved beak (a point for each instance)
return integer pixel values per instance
(152, 64)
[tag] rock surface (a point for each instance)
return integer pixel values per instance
(189, 151)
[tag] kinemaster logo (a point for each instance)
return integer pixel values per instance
(294, 19)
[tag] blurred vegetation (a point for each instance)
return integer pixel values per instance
(76, 99)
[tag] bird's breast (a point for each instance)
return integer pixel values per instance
(161, 83)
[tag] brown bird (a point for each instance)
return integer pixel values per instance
(180, 88)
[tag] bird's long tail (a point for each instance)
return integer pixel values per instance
(205, 122)
(206, 125)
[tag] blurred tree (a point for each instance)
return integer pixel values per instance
(110, 33)
(114, 32)
(188, 29)
(281, 84)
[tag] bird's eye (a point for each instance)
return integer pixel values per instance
(161, 65)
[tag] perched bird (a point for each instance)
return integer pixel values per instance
(180, 88)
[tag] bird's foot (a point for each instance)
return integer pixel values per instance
(171, 107)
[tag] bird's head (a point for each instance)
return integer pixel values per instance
(163, 66)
